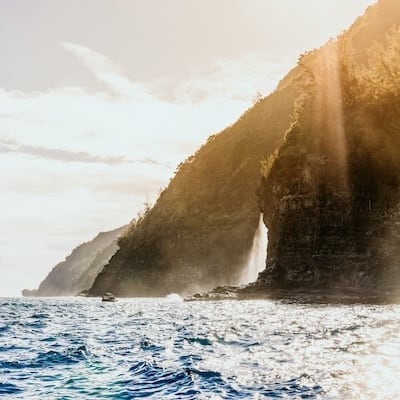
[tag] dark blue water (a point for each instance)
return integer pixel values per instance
(168, 349)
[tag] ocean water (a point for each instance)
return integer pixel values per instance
(78, 348)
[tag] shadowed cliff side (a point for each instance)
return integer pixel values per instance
(80, 268)
(201, 229)
(331, 197)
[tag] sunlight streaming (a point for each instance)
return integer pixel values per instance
(330, 117)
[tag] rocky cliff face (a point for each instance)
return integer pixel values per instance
(80, 268)
(335, 245)
(331, 197)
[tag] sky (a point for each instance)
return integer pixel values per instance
(100, 100)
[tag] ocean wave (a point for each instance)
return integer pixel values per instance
(8, 389)
(146, 348)
(4, 329)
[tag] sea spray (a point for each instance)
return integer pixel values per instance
(258, 254)
(174, 298)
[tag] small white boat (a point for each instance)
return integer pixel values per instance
(108, 297)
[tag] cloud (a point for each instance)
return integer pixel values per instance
(210, 79)
(106, 71)
(11, 146)
(237, 79)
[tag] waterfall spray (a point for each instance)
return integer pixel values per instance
(258, 254)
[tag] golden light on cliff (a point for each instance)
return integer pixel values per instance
(323, 69)
(334, 95)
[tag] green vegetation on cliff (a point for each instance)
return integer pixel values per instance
(331, 197)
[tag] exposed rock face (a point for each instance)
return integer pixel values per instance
(331, 198)
(339, 249)
(200, 231)
(333, 245)
(80, 268)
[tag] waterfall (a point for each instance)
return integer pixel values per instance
(258, 254)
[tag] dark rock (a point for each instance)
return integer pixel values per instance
(331, 198)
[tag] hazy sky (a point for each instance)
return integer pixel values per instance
(101, 99)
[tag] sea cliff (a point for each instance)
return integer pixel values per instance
(79, 269)
(200, 231)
